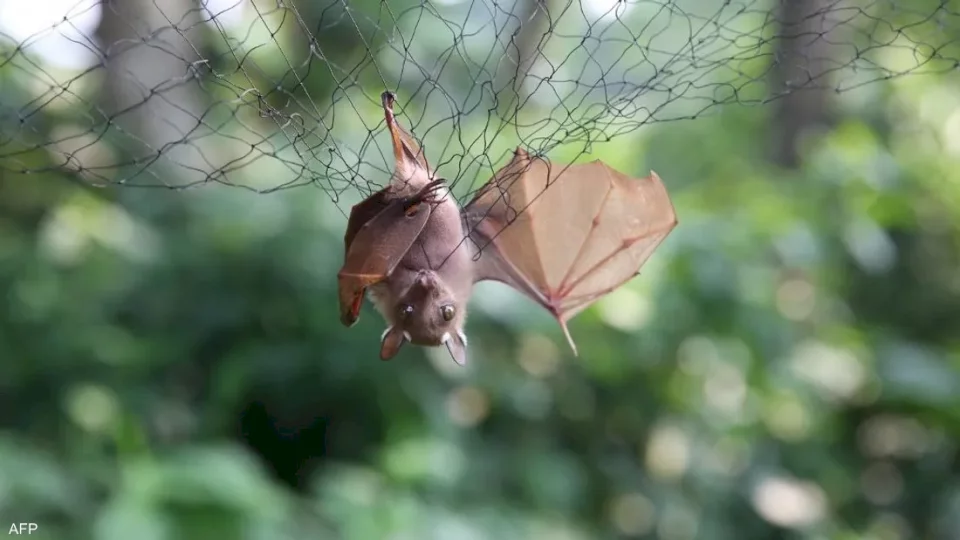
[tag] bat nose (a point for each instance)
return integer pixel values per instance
(425, 279)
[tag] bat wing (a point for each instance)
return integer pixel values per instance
(361, 214)
(569, 245)
(375, 245)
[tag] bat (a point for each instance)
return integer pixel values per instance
(564, 236)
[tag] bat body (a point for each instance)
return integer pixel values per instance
(405, 243)
(434, 277)
(419, 254)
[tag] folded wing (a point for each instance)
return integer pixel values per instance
(374, 249)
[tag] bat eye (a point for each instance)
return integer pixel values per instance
(406, 310)
(448, 312)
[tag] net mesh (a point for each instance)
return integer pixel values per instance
(274, 94)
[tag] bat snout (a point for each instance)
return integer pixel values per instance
(426, 279)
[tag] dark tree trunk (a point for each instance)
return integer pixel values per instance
(150, 89)
(524, 49)
(801, 75)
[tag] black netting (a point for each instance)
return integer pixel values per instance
(275, 94)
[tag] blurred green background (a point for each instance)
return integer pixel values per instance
(172, 366)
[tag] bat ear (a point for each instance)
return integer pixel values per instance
(391, 342)
(457, 347)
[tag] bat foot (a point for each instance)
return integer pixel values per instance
(428, 194)
(387, 98)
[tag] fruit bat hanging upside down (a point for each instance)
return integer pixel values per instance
(419, 254)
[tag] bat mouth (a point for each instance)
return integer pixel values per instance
(428, 340)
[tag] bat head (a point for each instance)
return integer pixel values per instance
(428, 313)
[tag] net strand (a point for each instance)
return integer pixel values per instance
(269, 96)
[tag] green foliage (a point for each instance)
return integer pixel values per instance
(787, 364)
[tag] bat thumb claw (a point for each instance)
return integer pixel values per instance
(348, 320)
